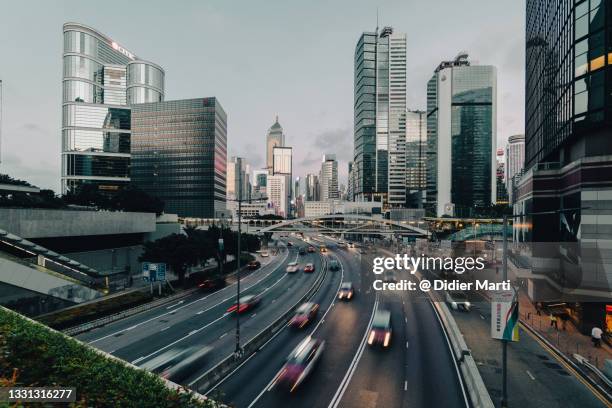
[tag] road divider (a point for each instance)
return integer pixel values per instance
(217, 373)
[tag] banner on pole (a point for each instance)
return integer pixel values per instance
(504, 316)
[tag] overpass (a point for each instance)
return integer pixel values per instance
(331, 224)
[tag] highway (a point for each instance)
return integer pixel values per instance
(351, 373)
(201, 319)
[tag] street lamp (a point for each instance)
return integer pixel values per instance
(504, 398)
(238, 349)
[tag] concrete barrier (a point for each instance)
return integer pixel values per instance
(474, 386)
(206, 381)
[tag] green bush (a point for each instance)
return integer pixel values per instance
(35, 356)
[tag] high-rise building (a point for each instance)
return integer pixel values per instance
(380, 107)
(278, 194)
(282, 162)
(565, 193)
(274, 138)
(461, 137)
(500, 178)
(237, 179)
(179, 153)
(515, 161)
(0, 121)
(416, 163)
(312, 188)
(328, 178)
(350, 189)
(100, 79)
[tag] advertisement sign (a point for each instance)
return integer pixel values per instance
(153, 272)
(504, 316)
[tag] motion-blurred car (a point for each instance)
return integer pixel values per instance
(292, 267)
(311, 249)
(264, 254)
(381, 329)
(342, 244)
(458, 300)
(351, 245)
(334, 265)
(251, 266)
(302, 251)
(346, 291)
(300, 363)
(289, 244)
(323, 248)
(306, 313)
(309, 268)
(247, 303)
(177, 364)
(212, 283)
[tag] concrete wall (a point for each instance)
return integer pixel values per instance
(44, 223)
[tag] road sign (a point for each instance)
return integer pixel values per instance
(504, 316)
(153, 271)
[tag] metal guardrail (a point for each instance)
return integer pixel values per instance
(230, 363)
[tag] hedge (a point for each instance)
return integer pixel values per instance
(33, 355)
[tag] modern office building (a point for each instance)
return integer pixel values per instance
(328, 178)
(500, 178)
(461, 137)
(282, 160)
(0, 121)
(278, 194)
(312, 187)
(100, 79)
(416, 158)
(565, 193)
(237, 178)
(179, 154)
(379, 117)
(274, 138)
(515, 160)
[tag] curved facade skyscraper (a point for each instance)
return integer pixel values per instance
(100, 78)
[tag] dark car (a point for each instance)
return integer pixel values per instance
(212, 283)
(246, 303)
(311, 249)
(346, 291)
(253, 265)
(300, 363)
(334, 265)
(289, 244)
(302, 251)
(381, 329)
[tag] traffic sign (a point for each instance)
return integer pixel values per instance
(504, 316)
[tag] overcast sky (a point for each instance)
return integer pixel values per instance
(260, 58)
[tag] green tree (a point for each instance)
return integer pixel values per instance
(178, 251)
(131, 198)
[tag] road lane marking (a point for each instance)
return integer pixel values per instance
(530, 375)
(351, 370)
(407, 344)
(405, 385)
(138, 360)
(195, 301)
(223, 335)
(179, 303)
(165, 328)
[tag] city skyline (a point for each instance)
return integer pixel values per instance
(324, 71)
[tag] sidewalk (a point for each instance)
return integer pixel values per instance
(566, 338)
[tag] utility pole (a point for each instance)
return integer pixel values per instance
(504, 399)
(238, 350)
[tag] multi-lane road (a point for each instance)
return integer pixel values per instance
(417, 370)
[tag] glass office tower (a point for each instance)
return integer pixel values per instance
(461, 137)
(379, 165)
(179, 154)
(100, 78)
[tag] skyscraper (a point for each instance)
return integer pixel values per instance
(416, 165)
(461, 137)
(328, 178)
(274, 138)
(312, 187)
(237, 178)
(380, 108)
(515, 160)
(179, 153)
(100, 79)
(565, 193)
(278, 194)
